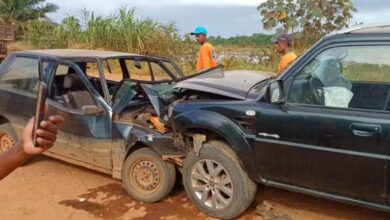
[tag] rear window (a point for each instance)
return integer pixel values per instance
(139, 70)
(21, 74)
(111, 69)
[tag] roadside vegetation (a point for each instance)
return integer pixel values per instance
(124, 31)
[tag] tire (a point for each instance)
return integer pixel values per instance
(146, 177)
(238, 191)
(8, 137)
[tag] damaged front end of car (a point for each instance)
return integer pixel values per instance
(144, 114)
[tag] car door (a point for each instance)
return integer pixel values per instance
(85, 137)
(332, 133)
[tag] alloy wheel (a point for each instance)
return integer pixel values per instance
(211, 184)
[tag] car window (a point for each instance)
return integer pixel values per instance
(62, 70)
(159, 73)
(92, 70)
(20, 74)
(345, 77)
(139, 70)
(69, 90)
(112, 70)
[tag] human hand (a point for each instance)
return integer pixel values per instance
(46, 135)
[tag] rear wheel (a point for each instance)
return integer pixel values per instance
(7, 138)
(146, 177)
(215, 181)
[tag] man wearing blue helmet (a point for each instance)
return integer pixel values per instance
(206, 55)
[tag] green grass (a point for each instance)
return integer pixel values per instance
(367, 72)
(123, 31)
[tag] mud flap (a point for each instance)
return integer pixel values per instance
(199, 139)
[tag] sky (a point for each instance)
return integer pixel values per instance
(225, 18)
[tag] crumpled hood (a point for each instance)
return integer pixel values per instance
(234, 84)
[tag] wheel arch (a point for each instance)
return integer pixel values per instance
(3, 120)
(217, 126)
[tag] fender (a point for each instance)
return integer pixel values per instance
(132, 134)
(125, 140)
(223, 126)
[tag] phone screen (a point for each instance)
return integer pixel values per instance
(39, 109)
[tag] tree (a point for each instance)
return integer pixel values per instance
(24, 10)
(314, 18)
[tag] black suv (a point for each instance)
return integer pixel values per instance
(321, 128)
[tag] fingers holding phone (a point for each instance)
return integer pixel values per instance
(40, 133)
(45, 135)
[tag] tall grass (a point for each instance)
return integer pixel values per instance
(123, 31)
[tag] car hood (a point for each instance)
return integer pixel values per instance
(234, 84)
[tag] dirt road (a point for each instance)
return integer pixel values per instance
(50, 189)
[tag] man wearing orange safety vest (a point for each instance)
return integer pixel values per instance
(283, 47)
(206, 55)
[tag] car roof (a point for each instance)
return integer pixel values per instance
(385, 29)
(380, 29)
(77, 53)
(360, 33)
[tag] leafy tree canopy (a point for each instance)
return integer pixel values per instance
(314, 18)
(25, 10)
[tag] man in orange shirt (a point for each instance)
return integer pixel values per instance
(206, 55)
(283, 46)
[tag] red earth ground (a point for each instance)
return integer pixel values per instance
(50, 189)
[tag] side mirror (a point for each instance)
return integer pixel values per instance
(275, 93)
(91, 110)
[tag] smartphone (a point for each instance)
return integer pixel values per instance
(39, 109)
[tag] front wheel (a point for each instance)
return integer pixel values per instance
(216, 182)
(146, 177)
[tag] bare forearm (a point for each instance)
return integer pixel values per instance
(12, 159)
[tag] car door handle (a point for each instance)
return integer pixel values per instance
(365, 130)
